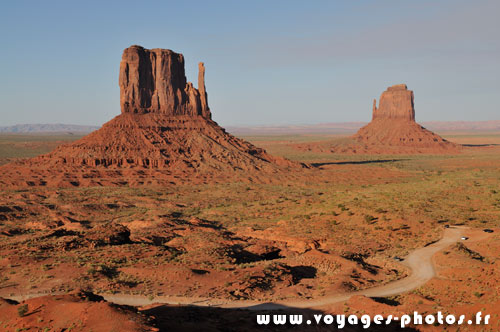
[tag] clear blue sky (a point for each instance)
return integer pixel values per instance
(268, 62)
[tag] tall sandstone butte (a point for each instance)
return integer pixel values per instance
(165, 125)
(395, 103)
(155, 81)
(393, 130)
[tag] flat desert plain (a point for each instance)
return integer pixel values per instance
(334, 240)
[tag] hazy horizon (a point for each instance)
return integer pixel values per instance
(280, 63)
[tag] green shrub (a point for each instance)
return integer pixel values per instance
(22, 310)
(369, 218)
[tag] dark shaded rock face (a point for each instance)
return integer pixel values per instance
(154, 81)
(108, 234)
(395, 103)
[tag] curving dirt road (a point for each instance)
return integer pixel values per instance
(419, 261)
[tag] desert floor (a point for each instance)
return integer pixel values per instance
(335, 231)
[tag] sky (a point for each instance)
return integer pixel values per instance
(267, 62)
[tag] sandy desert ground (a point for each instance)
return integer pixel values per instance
(334, 230)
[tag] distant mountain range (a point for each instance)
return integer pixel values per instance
(321, 128)
(492, 125)
(47, 128)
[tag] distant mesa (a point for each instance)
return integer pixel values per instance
(393, 130)
(393, 127)
(165, 125)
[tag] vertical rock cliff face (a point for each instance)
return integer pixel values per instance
(205, 111)
(395, 103)
(154, 81)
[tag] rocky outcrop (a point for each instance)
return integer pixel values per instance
(154, 81)
(165, 123)
(395, 103)
(108, 234)
(393, 130)
(205, 111)
(163, 135)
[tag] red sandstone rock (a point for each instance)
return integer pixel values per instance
(393, 130)
(165, 125)
(155, 81)
(395, 103)
(393, 126)
(77, 311)
(205, 111)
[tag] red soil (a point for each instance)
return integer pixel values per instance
(77, 311)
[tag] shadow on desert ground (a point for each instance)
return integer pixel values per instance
(192, 318)
(357, 162)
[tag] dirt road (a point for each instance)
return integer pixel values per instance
(419, 261)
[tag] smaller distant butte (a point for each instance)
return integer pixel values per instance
(393, 130)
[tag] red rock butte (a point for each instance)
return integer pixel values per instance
(153, 81)
(393, 130)
(165, 124)
(395, 104)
